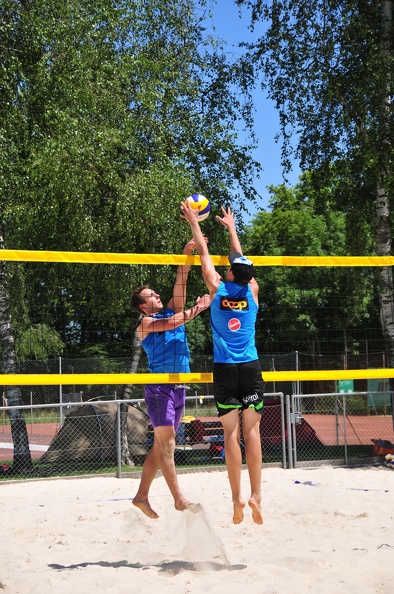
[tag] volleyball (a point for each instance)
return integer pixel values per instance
(389, 460)
(200, 203)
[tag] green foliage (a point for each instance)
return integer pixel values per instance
(111, 114)
(295, 227)
(329, 66)
(39, 342)
(324, 67)
(197, 332)
(301, 305)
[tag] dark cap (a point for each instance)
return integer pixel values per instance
(242, 268)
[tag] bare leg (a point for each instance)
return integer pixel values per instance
(251, 433)
(165, 438)
(231, 430)
(161, 456)
(149, 471)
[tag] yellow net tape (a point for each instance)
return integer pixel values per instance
(182, 378)
(155, 259)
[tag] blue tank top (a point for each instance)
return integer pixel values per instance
(167, 352)
(233, 317)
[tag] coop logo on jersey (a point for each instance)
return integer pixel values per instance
(230, 304)
(234, 325)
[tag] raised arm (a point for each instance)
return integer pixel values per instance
(228, 221)
(151, 324)
(178, 299)
(210, 275)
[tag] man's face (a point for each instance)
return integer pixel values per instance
(152, 303)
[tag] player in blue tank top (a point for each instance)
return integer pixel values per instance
(233, 319)
(163, 337)
(237, 380)
(168, 351)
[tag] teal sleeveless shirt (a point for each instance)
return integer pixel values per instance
(168, 351)
(233, 317)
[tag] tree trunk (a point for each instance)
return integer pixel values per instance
(383, 248)
(22, 457)
(386, 294)
(127, 393)
(383, 228)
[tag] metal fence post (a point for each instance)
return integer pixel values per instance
(282, 422)
(288, 423)
(118, 440)
(60, 394)
(344, 426)
(295, 406)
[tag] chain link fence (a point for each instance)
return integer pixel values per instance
(114, 436)
(339, 428)
(72, 430)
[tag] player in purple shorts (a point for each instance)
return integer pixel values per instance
(163, 337)
(165, 404)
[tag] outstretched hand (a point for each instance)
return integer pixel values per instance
(189, 213)
(204, 302)
(190, 246)
(228, 218)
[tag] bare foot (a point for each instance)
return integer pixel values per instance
(182, 504)
(144, 506)
(238, 515)
(256, 510)
(195, 508)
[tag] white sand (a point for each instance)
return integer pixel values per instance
(84, 535)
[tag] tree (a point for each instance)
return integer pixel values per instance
(39, 342)
(328, 65)
(22, 456)
(316, 310)
(112, 114)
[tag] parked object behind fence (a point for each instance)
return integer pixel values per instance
(89, 433)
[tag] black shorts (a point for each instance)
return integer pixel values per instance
(238, 385)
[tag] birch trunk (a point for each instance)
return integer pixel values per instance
(22, 457)
(386, 296)
(383, 228)
(127, 393)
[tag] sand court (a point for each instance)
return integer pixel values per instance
(325, 530)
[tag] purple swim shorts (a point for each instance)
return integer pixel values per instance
(165, 404)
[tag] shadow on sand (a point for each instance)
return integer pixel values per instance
(169, 567)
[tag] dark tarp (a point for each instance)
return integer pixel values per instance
(90, 433)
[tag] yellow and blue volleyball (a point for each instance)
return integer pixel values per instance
(389, 460)
(200, 203)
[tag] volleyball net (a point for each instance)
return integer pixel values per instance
(152, 260)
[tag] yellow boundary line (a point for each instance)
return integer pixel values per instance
(176, 259)
(40, 379)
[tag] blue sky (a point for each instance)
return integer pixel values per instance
(232, 29)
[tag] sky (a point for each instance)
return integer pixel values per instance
(232, 29)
